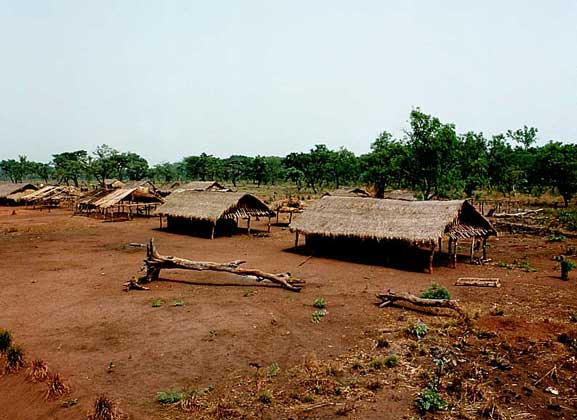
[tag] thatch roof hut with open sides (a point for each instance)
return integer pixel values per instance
(10, 192)
(421, 223)
(211, 211)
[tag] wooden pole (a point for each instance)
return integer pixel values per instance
(450, 251)
(455, 245)
(212, 226)
(484, 248)
(248, 225)
(297, 239)
(160, 218)
(431, 258)
(472, 253)
(440, 245)
(268, 225)
(290, 217)
(277, 212)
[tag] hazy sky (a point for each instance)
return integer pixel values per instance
(168, 79)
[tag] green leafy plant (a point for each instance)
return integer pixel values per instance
(568, 219)
(177, 302)
(5, 340)
(436, 291)
(157, 303)
(525, 266)
(557, 237)
(273, 369)
(170, 397)
(567, 265)
(320, 303)
(430, 400)
(318, 315)
(382, 342)
(419, 330)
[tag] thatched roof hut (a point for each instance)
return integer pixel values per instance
(202, 186)
(411, 221)
(10, 188)
(422, 223)
(51, 195)
(405, 195)
(348, 192)
(133, 194)
(212, 207)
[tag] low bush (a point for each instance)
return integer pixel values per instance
(5, 340)
(429, 400)
(436, 291)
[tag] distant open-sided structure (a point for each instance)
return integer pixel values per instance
(210, 213)
(10, 193)
(52, 196)
(121, 203)
(422, 223)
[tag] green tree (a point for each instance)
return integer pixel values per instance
(386, 165)
(343, 167)
(434, 156)
(474, 162)
(557, 167)
(105, 163)
(70, 166)
(17, 170)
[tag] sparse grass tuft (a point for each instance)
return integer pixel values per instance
(557, 237)
(382, 342)
(5, 340)
(105, 409)
(436, 291)
(273, 369)
(265, 397)
(14, 359)
(37, 372)
(56, 387)
(392, 361)
(177, 302)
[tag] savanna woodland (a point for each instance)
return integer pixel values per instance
(180, 299)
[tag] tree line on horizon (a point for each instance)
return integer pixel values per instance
(431, 158)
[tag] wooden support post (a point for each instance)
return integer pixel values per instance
(484, 248)
(431, 258)
(297, 239)
(450, 250)
(212, 226)
(160, 219)
(290, 217)
(268, 225)
(472, 254)
(455, 245)
(277, 212)
(440, 245)
(248, 225)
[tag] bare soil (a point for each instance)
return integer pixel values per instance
(61, 295)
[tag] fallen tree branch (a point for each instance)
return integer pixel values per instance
(518, 214)
(392, 298)
(478, 281)
(155, 262)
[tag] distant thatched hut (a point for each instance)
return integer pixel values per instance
(10, 192)
(348, 192)
(211, 212)
(202, 186)
(421, 223)
(52, 196)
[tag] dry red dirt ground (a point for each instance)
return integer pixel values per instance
(61, 295)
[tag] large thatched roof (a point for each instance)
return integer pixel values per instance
(7, 188)
(212, 205)
(412, 221)
(114, 197)
(48, 193)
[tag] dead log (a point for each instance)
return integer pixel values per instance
(155, 262)
(478, 281)
(518, 214)
(391, 298)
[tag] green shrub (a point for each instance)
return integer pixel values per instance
(568, 265)
(557, 238)
(170, 397)
(273, 369)
(177, 302)
(392, 361)
(157, 303)
(430, 400)
(318, 315)
(436, 291)
(419, 330)
(5, 340)
(568, 219)
(320, 303)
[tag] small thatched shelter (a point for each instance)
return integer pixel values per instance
(10, 192)
(421, 223)
(52, 196)
(207, 211)
(348, 192)
(124, 202)
(202, 186)
(405, 195)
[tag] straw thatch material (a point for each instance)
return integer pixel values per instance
(49, 193)
(8, 188)
(114, 197)
(411, 221)
(405, 195)
(202, 186)
(212, 205)
(348, 192)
